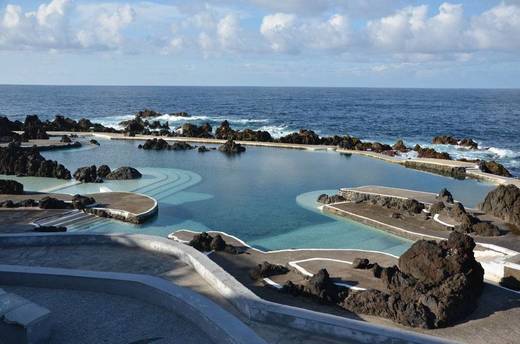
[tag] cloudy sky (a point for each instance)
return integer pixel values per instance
(381, 43)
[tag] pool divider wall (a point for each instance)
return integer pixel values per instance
(250, 305)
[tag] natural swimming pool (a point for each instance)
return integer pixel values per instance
(265, 196)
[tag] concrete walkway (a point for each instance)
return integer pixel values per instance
(83, 317)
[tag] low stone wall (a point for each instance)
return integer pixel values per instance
(456, 172)
(249, 304)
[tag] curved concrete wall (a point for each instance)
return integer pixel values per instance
(249, 304)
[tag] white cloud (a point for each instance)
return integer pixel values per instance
(497, 28)
(288, 33)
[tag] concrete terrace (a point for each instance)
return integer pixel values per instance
(488, 324)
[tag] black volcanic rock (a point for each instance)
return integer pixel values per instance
(147, 113)
(504, 203)
(231, 147)
(205, 243)
(53, 203)
(94, 142)
(445, 196)
(435, 285)
(224, 132)
(180, 146)
(10, 187)
(81, 202)
(33, 129)
(124, 173)
(320, 287)
(431, 153)
(445, 140)
(192, 130)
(103, 171)
(494, 167)
(154, 144)
(15, 160)
(65, 139)
(400, 146)
(87, 174)
(50, 229)
(203, 149)
(304, 136)
(326, 199)
(7, 129)
(267, 269)
(468, 143)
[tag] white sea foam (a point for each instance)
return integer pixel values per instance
(504, 153)
(276, 131)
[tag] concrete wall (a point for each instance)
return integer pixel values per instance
(250, 305)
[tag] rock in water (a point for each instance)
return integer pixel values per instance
(15, 160)
(53, 203)
(65, 139)
(267, 269)
(103, 171)
(7, 129)
(494, 167)
(230, 147)
(124, 173)
(436, 284)
(86, 174)
(504, 202)
(10, 187)
(400, 146)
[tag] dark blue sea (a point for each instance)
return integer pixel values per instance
(491, 117)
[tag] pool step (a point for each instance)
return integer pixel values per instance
(72, 218)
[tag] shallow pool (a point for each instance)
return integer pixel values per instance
(265, 196)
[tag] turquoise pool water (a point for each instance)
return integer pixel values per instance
(265, 196)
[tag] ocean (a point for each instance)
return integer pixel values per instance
(491, 117)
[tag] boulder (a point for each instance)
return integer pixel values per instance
(224, 132)
(431, 153)
(504, 203)
(437, 208)
(400, 146)
(33, 129)
(202, 149)
(180, 114)
(304, 136)
(86, 174)
(326, 199)
(468, 143)
(15, 160)
(124, 173)
(510, 282)
(320, 287)
(154, 144)
(445, 140)
(445, 196)
(103, 171)
(192, 130)
(360, 263)
(10, 187)
(94, 142)
(65, 139)
(494, 167)
(82, 202)
(230, 147)
(267, 269)
(7, 129)
(485, 229)
(205, 243)
(53, 203)
(435, 285)
(146, 113)
(180, 146)
(50, 229)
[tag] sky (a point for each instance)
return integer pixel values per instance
(323, 43)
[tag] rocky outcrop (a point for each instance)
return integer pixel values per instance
(494, 167)
(203, 149)
(399, 146)
(10, 187)
(180, 146)
(124, 173)
(7, 129)
(205, 243)
(192, 130)
(20, 204)
(82, 202)
(180, 114)
(87, 174)
(15, 160)
(50, 229)
(430, 153)
(146, 113)
(224, 132)
(466, 223)
(326, 199)
(53, 203)
(504, 203)
(449, 140)
(435, 285)
(94, 142)
(103, 171)
(267, 269)
(65, 139)
(445, 196)
(161, 144)
(408, 205)
(304, 136)
(33, 129)
(320, 287)
(437, 208)
(231, 147)
(61, 123)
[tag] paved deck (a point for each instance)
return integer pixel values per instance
(87, 317)
(45, 144)
(490, 323)
(132, 260)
